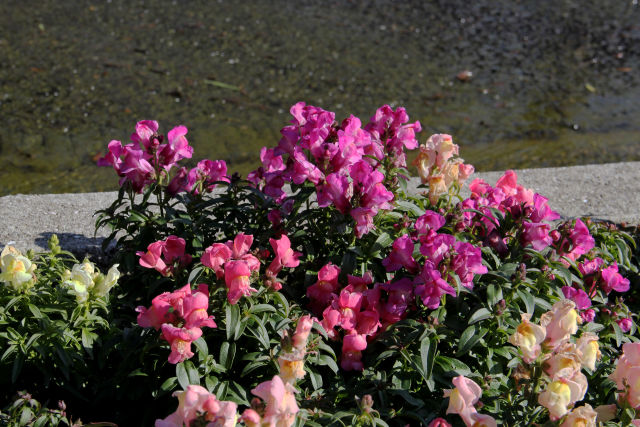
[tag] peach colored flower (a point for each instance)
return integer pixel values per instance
(437, 187)
(565, 362)
(558, 396)
(590, 350)
(584, 416)
(291, 366)
(527, 338)
(281, 406)
(463, 397)
(561, 322)
(481, 420)
(606, 412)
(627, 373)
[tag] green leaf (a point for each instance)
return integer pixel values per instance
(260, 308)
(406, 396)
(494, 295)
(18, 362)
(466, 339)
(137, 216)
(202, 347)
(26, 416)
(479, 315)
(316, 379)
(619, 334)
(195, 273)
(593, 327)
(87, 338)
(527, 299)
(449, 365)
(35, 311)
(232, 313)
(260, 332)
(192, 372)
(169, 384)
(32, 340)
(227, 354)
(327, 360)
(182, 376)
(427, 359)
(384, 240)
(406, 206)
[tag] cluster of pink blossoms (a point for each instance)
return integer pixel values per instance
(165, 256)
(180, 315)
(233, 261)
(596, 278)
(148, 158)
(142, 161)
(526, 207)
(444, 256)
(345, 162)
(362, 309)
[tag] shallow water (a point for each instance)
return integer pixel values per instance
(553, 83)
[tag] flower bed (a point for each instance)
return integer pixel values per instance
(319, 291)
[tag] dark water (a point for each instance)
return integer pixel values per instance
(553, 82)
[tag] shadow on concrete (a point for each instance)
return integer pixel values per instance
(78, 244)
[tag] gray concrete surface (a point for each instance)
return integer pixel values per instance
(609, 191)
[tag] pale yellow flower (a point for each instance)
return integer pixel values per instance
(528, 337)
(16, 270)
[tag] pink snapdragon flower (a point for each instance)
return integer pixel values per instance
(625, 324)
(439, 422)
(301, 335)
(215, 256)
(536, 234)
(401, 255)
(322, 292)
(180, 315)
(430, 286)
(165, 255)
(612, 280)
(352, 346)
(180, 340)
(583, 416)
(197, 404)
(161, 311)
(194, 308)
(146, 135)
(559, 395)
(237, 277)
(285, 256)
(578, 296)
(577, 242)
(206, 174)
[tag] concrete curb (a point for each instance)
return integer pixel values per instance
(610, 192)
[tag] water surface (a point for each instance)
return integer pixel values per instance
(552, 83)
